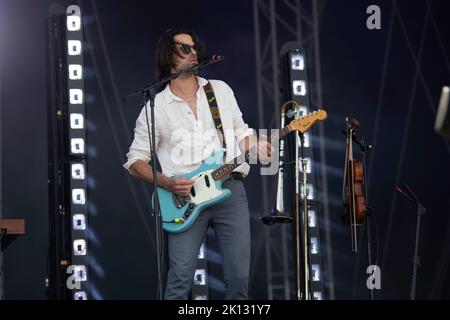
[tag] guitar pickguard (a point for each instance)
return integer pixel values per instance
(204, 188)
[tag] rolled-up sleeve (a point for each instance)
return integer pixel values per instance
(241, 129)
(140, 147)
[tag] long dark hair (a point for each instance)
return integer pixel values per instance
(166, 51)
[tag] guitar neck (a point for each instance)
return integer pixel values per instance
(252, 153)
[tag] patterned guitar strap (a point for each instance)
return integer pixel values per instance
(215, 114)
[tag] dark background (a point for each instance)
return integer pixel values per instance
(121, 38)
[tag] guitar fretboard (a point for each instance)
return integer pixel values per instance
(227, 168)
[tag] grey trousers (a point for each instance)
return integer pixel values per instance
(230, 220)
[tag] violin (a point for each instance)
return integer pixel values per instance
(354, 195)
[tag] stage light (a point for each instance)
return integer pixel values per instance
(316, 272)
(201, 252)
(200, 290)
(314, 245)
(75, 72)
(306, 139)
(308, 165)
(200, 277)
(74, 47)
(79, 272)
(299, 87)
(298, 61)
(69, 232)
(79, 222)
(303, 111)
(73, 23)
(312, 218)
(80, 295)
(317, 295)
(306, 142)
(76, 96)
(79, 247)
(77, 171)
(77, 145)
(309, 191)
(76, 121)
(73, 18)
(78, 196)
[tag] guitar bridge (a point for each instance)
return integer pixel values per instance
(180, 201)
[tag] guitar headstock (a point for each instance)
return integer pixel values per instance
(304, 123)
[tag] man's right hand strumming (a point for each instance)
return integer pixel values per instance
(181, 186)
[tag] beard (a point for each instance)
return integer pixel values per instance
(185, 63)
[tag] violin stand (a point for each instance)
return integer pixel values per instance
(369, 210)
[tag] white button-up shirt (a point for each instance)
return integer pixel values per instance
(184, 141)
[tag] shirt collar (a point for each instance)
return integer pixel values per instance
(169, 96)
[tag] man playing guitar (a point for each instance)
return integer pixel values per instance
(186, 135)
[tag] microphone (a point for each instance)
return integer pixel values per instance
(212, 59)
(216, 58)
(203, 63)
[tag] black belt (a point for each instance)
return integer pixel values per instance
(236, 176)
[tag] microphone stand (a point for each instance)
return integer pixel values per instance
(149, 93)
(416, 260)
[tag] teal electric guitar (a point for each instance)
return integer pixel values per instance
(180, 212)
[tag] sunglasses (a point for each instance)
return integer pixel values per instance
(185, 48)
